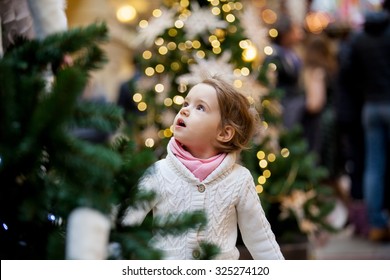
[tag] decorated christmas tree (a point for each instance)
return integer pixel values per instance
(63, 169)
(182, 43)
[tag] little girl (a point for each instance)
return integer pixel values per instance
(200, 173)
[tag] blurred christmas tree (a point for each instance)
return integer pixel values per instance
(49, 170)
(184, 41)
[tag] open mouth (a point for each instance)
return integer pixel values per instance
(181, 123)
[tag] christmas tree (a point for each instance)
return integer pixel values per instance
(183, 41)
(57, 180)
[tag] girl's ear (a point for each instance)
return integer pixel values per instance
(226, 134)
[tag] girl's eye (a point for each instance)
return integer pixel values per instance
(200, 107)
(185, 104)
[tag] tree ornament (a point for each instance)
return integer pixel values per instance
(87, 235)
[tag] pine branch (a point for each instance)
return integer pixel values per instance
(104, 117)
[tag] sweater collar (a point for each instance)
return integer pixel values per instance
(224, 166)
(201, 168)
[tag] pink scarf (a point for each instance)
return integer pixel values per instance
(201, 168)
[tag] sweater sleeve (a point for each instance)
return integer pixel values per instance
(255, 229)
(136, 214)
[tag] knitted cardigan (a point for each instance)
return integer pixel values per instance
(228, 198)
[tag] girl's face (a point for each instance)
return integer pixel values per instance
(197, 125)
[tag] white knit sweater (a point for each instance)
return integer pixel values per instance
(229, 198)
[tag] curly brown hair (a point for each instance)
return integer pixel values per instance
(236, 112)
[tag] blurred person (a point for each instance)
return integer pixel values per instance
(320, 127)
(351, 137)
(318, 73)
(368, 74)
(288, 69)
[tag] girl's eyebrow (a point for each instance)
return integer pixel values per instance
(187, 99)
(204, 103)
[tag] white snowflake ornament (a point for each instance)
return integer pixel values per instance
(254, 28)
(155, 27)
(201, 21)
(204, 68)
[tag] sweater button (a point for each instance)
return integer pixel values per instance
(201, 188)
(196, 254)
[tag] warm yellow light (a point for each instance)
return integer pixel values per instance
(160, 134)
(217, 50)
(157, 13)
(160, 68)
(171, 46)
(243, 44)
(167, 133)
(182, 46)
(159, 41)
(215, 44)
(184, 3)
(245, 71)
(226, 8)
(168, 102)
(268, 50)
(179, 23)
(149, 142)
(143, 23)
(238, 6)
(159, 88)
(126, 13)
(220, 33)
(237, 83)
(261, 180)
(237, 72)
(175, 66)
(147, 54)
(188, 44)
(259, 189)
(149, 71)
(178, 99)
(249, 54)
(232, 29)
(230, 18)
(212, 38)
(163, 50)
(263, 163)
(285, 152)
(269, 16)
(200, 54)
(271, 157)
(273, 32)
(272, 66)
(142, 106)
(260, 155)
(196, 44)
(267, 173)
(216, 11)
(137, 97)
(172, 32)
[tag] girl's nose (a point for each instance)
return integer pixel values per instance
(184, 111)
